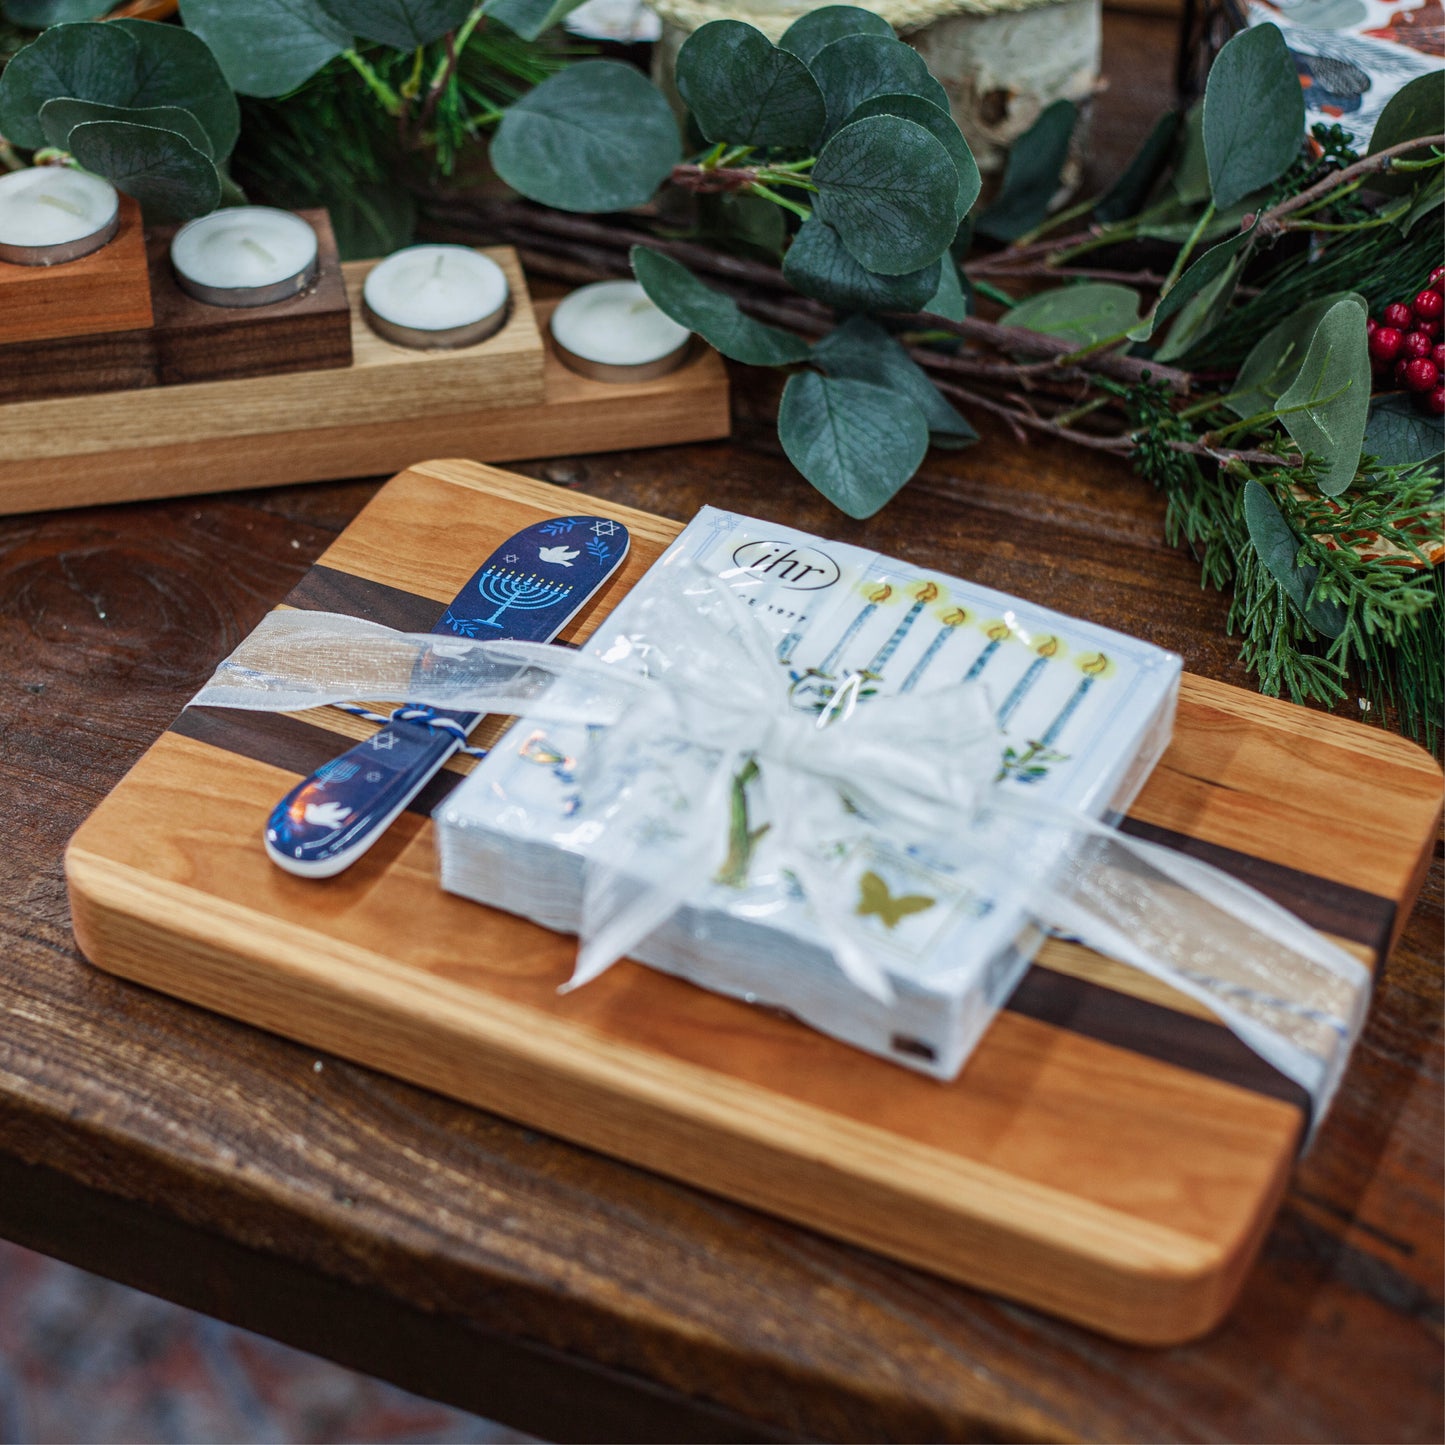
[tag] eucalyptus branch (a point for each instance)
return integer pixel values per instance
(1270, 222)
(714, 180)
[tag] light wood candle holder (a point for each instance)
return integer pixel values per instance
(506, 399)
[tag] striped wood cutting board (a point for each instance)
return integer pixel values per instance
(1110, 1153)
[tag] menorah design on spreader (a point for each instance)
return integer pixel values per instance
(509, 591)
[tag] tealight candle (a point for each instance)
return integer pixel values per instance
(435, 297)
(245, 256)
(610, 331)
(51, 214)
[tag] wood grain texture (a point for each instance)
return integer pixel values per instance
(408, 1235)
(78, 365)
(198, 342)
(507, 399)
(980, 1180)
(108, 290)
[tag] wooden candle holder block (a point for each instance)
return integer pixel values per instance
(508, 398)
(195, 341)
(106, 291)
(78, 365)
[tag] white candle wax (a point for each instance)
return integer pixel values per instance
(50, 214)
(429, 297)
(612, 332)
(245, 256)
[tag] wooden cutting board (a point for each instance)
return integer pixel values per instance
(1110, 1153)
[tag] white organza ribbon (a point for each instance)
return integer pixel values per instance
(694, 666)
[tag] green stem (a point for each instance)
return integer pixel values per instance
(737, 153)
(770, 195)
(1052, 223)
(789, 167)
(708, 160)
(411, 86)
(781, 177)
(389, 100)
(1177, 269)
(987, 288)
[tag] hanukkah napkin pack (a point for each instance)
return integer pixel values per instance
(1078, 714)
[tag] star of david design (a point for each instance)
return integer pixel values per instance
(604, 528)
(373, 776)
(510, 557)
(384, 742)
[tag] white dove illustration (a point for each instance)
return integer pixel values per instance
(326, 815)
(561, 554)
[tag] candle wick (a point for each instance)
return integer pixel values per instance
(61, 204)
(258, 248)
(436, 270)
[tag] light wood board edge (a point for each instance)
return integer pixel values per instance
(966, 1221)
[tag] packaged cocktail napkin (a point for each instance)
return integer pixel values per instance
(842, 721)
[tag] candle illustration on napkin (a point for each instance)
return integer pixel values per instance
(1093, 667)
(927, 593)
(877, 595)
(949, 623)
(1046, 650)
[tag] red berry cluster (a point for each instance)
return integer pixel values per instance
(1405, 343)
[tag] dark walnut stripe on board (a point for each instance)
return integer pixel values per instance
(1335, 908)
(1075, 1005)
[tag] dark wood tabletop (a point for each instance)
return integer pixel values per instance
(506, 1272)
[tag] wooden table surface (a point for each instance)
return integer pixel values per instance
(508, 1273)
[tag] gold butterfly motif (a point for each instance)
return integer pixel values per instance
(874, 896)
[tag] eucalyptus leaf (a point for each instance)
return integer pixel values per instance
(1227, 255)
(715, 317)
(1326, 406)
(174, 67)
(1127, 195)
(1031, 175)
(529, 18)
(1199, 315)
(1278, 547)
(1430, 200)
(171, 179)
(862, 350)
(949, 299)
(60, 116)
(818, 265)
(38, 14)
(1400, 434)
(742, 89)
(1174, 221)
(1084, 313)
(266, 47)
(857, 443)
(942, 126)
(889, 189)
(1254, 113)
(806, 36)
(1275, 359)
(402, 24)
(1190, 181)
(858, 67)
(89, 60)
(597, 136)
(1415, 109)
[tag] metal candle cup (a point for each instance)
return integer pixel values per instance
(436, 298)
(611, 331)
(53, 214)
(245, 256)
